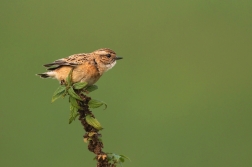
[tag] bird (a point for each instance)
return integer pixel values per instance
(87, 67)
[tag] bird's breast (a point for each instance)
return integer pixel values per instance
(86, 72)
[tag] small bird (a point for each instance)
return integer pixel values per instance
(87, 67)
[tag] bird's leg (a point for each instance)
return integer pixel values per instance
(85, 91)
(62, 82)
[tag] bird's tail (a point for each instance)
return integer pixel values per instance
(48, 74)
(43, 75)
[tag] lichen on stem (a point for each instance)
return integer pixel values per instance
(80, 105)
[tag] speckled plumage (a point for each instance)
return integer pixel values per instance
(87, 67)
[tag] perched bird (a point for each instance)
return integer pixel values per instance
(87, 67)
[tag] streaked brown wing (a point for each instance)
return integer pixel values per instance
(72, 60)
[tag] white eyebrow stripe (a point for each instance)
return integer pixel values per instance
(102, 52)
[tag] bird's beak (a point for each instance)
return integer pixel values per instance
(118, 58)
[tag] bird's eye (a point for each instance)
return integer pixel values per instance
(108, 55)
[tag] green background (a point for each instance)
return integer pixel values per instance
(181, 97)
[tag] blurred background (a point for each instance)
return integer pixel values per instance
(181, 97)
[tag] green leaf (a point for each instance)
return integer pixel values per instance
(73, 114)
(125, 157)
(79, 85)
(61, 90)
(91, 88)
(96, 103)
(121, 159)
(69, 78)
(73, 94)
(93, 122)
(116, 157)
(74, 102)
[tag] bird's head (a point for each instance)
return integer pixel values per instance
(106, 58)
